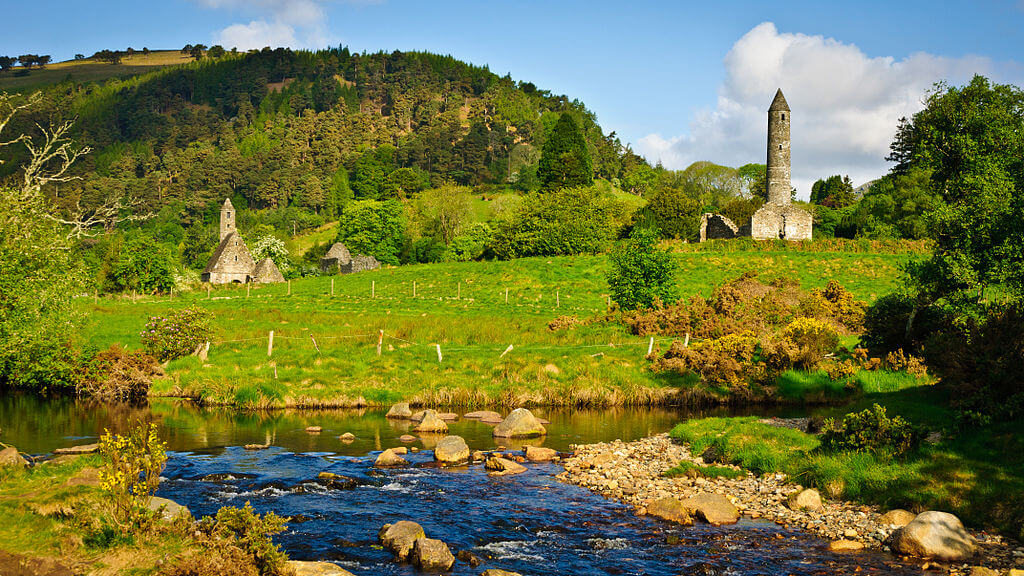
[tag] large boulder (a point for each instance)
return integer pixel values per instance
(389, 458)
(937, 535)
(807, 499)
(336, 481)
(498, 572)
(400, 537)
(78, 450)
(302, 568)
(715, 509)
(432, 555)
(451, 450)
(168, 509)
(670, 509)
(540, 454)
(521, 423)
(896, 517)
(431, 424)
(845, 546)
(503, 466)
(484, 416)
(9, 457)
(400, 411)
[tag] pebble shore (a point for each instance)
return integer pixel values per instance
(633, 473)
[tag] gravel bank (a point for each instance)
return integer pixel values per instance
(632, 472)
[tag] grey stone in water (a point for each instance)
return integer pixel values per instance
(431, 423)
(451, 450)
(503, 466)
(337, 481)
(896, 517)
(469, 558)
(83, 449)
(400, 411)
(498, 572)
(169, 509)
(937, 535)
(9, 457)
(520, 423)
(670, 509)
(714, 509)
(540, 454)
(301, 568)
(400, 537)
(389, 458)
(431, 554)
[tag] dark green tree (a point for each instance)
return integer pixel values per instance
(564, 160)
(641, 272)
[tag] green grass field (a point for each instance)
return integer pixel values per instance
(462, 308)
(90, 70)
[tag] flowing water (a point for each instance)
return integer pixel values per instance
(529, 522)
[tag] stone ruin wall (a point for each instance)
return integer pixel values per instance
(717, 227)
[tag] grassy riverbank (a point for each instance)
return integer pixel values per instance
(54, 511)
(325, 347)
(977, 474)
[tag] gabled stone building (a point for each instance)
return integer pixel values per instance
(231, 261)
(339, 260)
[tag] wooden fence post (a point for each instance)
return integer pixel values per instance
(413, 288)
(506, 295)
(247, 288)
(458, 295)
(650, 347)
(380, 342)
(332, 287)
(289, 287)
(507, 350)
(558, 299)
(270, 347)
(373, 288)
(314, 345)
(686, 342)
(438, 353)
(96, 297)
(208, 296)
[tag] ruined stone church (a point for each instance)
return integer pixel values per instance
(778, 218)
(232, 262)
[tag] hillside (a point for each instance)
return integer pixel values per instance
(90, 70)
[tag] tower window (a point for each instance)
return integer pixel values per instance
(780, 146)
(783, 115)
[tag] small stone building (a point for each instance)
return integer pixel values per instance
(231, 261)
(339, 260)
(266, 272)
(717, 227)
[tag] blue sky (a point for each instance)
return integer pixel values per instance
(680, 81)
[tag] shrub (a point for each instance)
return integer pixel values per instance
(270, 246)
(690, 469)
(804, 343)
(118, 374)
(900, 362)
(835, 303)
(641, 272)
(727, 360)
(252, 532)
(895, 321)
(871, 430)
(564, 323)
(178, 334)
(131, 470)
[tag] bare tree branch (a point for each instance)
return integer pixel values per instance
(51, 159)
(90, 222)
(8, 109)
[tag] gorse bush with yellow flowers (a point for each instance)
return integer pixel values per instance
(131, 471)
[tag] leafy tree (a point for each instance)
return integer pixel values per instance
(374, 228)
(197, 51)
(6, 63)
(144, 265)
(79, 56)
(216, 51)
(641, 272)
(270, 246)
(755, 180)
(443, 213)
(834, 192)
(676, 214)
(565, 160)
(27, 61)
(109, 56)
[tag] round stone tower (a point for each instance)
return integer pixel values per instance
(227, 219)
(779, 187)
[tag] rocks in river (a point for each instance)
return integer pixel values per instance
(540, 454)
(389, 458)
(407, 438)
(937, 535)
(401, 450)
(431, 424)
(807, 499)
(225, 477)
(168, 509)
(302, 568)
(479, 455)
(314, 429)
(715, 509)
(9, 456)
(336, 481)
(498, 572)
(400, 537)
(78, 450)
(670, 509)
(484, 416)
(257, 446)
(400, 411)
(469, 558)
(432, 555)
(503, 466)
(451, 450)
(347, 437)
(845, 546)
(521, 423)
(897, 517)
(448, 416)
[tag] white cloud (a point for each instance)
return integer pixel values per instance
(256, 34)
(845, 105)
(291, 23)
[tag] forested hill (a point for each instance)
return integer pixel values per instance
(308, 131)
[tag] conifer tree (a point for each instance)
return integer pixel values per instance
(565, 161)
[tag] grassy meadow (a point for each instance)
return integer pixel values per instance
(89, 70)
(461, 307)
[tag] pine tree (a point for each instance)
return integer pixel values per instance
(565, 161)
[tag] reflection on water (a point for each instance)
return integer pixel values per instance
(37, 425)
